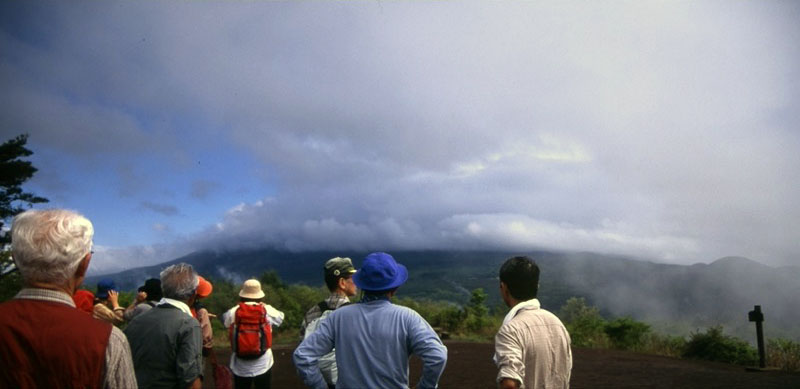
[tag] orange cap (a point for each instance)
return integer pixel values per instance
(204, 287)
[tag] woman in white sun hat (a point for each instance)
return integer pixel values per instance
(250, 330)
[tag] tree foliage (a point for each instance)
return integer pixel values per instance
(14, 171)
(626, 333)
(585, 325)
(476, 310)
(713, 345)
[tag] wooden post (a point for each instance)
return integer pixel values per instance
(758, 317)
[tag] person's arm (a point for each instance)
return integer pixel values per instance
(508, 352)
(196, 384)
(309, 351)
(102, 312)
(205, 328)
(508, 383)
(129, 311)
(118, 311)
(275, 316)
(119, 372)
(228, 316)
(189, 359)
(427, 345)
(303, 326)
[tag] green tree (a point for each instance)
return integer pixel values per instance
(14, 171)
(584, 323)
(713, 345)
(476, 311)
(626, 333)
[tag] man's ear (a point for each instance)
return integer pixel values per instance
(342, 283)
(505, 294)
(80, 272)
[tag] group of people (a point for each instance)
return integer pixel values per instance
(45, 342)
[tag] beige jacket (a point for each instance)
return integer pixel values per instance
(534, 348)
(102, 312)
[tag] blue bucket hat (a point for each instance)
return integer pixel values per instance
(379, 272)
(103, 287)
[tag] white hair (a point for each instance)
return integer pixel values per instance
(48, 245)
(179, 282)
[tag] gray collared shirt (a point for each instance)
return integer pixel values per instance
(166, 344)
(334, 301)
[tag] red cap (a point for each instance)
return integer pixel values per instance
(84, 300)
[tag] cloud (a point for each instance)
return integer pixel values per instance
(113, 259)
(164, 209)
(159, 227)
(659, 130)
(202, 188)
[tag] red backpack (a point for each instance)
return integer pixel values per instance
(250, 334)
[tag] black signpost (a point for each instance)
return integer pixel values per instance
(758, 317)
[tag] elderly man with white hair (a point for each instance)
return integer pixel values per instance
(166, 341)
(45, 341)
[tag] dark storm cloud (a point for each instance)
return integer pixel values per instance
(651, 129)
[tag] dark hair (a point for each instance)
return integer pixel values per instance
(332, 281)
(521, 276)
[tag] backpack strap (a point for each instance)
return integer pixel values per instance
(323, 306)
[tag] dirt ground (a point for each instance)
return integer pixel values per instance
(469, 365)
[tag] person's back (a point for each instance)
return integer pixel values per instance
(388, 333)
(166, 342)
(545, 346)
(45, 341)
(147, 297)
(532, 347)
(30, 328)
(165, 346)
(374, 338)
(338, 274)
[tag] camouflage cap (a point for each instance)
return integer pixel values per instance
(339, 266)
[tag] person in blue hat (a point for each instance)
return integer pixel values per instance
(374, 338)
(106, 303)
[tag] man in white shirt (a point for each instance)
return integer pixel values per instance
(532, 347)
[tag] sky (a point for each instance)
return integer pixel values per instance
(666, 131)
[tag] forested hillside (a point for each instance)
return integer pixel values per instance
(673, 298)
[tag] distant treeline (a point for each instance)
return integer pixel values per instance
(476, 321)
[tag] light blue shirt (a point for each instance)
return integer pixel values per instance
(373, 342)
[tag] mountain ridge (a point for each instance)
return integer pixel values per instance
(673, 298)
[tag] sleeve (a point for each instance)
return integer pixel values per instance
(309, 351)
(129, 312)
(205, 328)
(509, 355)
(189, 359)
(119, 372)
(227, 317)
(102, 312)
(426, 344)
(304, 323)
(275, 316)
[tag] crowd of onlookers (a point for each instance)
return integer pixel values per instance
(55, 335)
